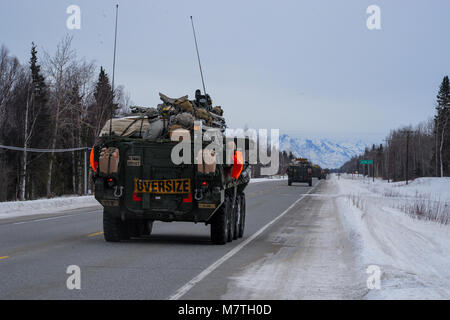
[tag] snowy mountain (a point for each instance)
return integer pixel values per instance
(324, 152)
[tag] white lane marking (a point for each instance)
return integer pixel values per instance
(188, 286)
(53, 218)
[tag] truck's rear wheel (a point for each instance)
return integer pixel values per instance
(242, 216)
(231, 222)
(237, 217)
(220, 223)
(114, 229)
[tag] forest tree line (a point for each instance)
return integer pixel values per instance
(52, 101)
(412, 152)
(57, 101)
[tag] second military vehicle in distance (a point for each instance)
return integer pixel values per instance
(137, 181)
(299, 170)
(318, 172)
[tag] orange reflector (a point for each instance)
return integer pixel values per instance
(238, 165)
(94, 164)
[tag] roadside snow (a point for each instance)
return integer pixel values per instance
(428, 188)
(327, 249)
(305, 255)
(44, 206)
(413, 254)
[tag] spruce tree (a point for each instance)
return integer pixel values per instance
(443, 97)
(100, 111)
(442, 127)
(40, 111)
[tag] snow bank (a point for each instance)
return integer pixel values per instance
(428, 188)
(43, 206)
(413, 254)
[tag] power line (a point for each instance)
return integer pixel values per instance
(43, 150)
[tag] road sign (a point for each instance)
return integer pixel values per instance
(365, 161)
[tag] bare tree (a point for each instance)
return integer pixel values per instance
(58, 71)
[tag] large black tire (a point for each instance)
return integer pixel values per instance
(310, 183)
(114, 229)
(242, 216)
(236, 217)
(231, 221)
(220, 223)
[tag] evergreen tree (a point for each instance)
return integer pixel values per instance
(39, 102)
(442, 128)
(443, 97)
(40, 111)
(100, 111)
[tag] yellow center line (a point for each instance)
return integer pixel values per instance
(4, 257)
(95, 234)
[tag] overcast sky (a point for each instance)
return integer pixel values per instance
(310, 68)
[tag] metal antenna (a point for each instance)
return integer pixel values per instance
(114, 69)
(198, 56)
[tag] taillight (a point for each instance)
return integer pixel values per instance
(110, 182)
(188, 199)
(136, 198)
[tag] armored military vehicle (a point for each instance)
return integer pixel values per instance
(138, 182)
(299, 170)
(317, 172)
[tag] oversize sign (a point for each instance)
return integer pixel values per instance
(171, 186)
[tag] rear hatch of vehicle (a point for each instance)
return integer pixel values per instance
(153, 182)
(300, 173)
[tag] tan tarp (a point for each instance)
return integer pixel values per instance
(119, 126)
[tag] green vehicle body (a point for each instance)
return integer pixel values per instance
(213, 197)
(318, 173)
(300, 173)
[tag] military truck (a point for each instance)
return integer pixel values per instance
(318, 172)
(299, 170)
(137, 181)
